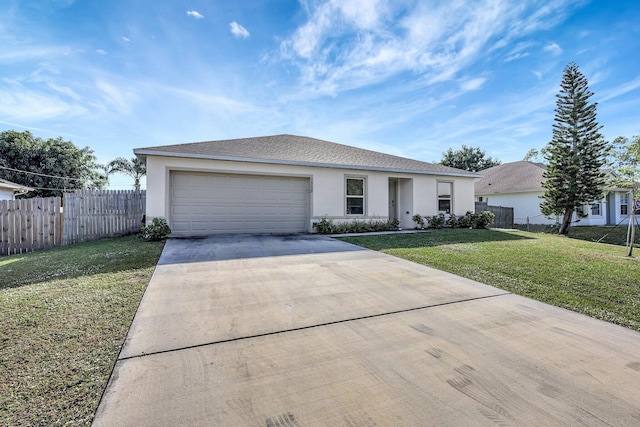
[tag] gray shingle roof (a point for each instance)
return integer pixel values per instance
(299, 150)
(13, 186)
(513, 177)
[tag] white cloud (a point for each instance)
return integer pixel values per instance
(238, 30)
(553, 48)
(194, 14)
(125, 39)
(26, 53)
(31, 106)
(621, 90)
(120, 98)
(101, 52)
(518, 52)
(472, 84)
(538, 74)
(345, 45)
(212, 101)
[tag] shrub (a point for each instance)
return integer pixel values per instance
(476, 220)
(325, 226)
(466, 221)
(419, 221)
(436, 221)
(156, 231)
(483, 220)
(452, 221)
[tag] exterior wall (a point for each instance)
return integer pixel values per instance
(524, 205)
(416, 193)
(528, 205)
(592, 219)
(426, 196)
(616, 217)
(6, 194)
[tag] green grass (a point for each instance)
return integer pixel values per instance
(605, 234)
(64, 314)
(591, 278)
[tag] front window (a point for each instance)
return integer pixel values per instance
(445, 190)
(355, 196)
(624, 204)
(595, 209)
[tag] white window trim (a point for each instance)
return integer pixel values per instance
(624, 201)
(450, 196)
(364, 195)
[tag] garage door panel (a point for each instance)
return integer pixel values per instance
(207, 203)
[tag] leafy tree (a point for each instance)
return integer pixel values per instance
(536, 156)
(468, 158)
(577, 151)
(625, 171)
(50, 166)
(134, 168)
(625, 174)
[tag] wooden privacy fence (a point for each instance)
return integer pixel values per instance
(31, 224)
(96, 214)
(504, 216)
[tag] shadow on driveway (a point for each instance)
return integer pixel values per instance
(224, 247)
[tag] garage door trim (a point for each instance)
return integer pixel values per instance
(214, 202)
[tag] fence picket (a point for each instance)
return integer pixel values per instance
(98, 214)
(27, 225)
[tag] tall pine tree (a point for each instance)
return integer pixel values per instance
(576, 153)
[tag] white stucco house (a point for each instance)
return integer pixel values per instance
(519, 185)
(285, 183)
(9, 190)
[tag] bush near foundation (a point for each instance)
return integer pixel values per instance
(327, 226)
(469, 220)
(157, 231)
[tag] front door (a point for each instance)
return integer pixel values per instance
(393, 195)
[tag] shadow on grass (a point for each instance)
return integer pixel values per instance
(82, 259)
(612, 235)
(433, 238)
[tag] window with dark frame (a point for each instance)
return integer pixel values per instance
(595, 209)
(355, 196)
(624, 204)
(445, 190)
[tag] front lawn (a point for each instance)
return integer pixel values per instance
(591, 278)
(64, 314)
(592, 233)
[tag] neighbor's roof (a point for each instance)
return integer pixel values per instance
(15, 187)
(516, 177)
(299, 150)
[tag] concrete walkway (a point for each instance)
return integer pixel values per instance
(310, 331)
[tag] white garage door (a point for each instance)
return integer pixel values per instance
(207, 203)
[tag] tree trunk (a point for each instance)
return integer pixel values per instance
(631, 235)
(566, 222)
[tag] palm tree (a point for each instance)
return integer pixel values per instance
(134, 168)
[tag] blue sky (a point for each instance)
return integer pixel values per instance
(405, 77)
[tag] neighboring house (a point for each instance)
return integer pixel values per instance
(285, 183)
(519, 185)
(8, 190)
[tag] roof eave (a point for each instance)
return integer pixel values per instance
(484, 193)
(142, 153)
(17, 189)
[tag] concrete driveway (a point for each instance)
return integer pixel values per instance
(309, 331)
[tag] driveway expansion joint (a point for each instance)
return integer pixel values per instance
(301, 328)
